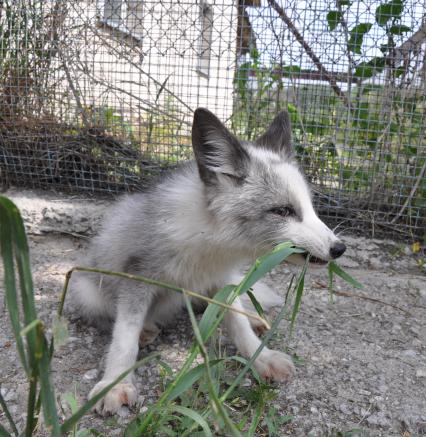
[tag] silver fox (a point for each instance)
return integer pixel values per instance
(198, 228)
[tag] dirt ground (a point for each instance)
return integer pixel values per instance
(362, 363)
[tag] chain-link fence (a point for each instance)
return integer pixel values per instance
(99, 95)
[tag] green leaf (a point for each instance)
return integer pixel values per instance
(357, 37)
(370, 68)
(399, 29)
(190, 378)
(71, 400)
(343, 2)
(333, 268)
(291, 69)
(267, 262)
(299, 293)
(196, 417)
(210, 316)
(333, 19)
(386, 11)
(256, 304)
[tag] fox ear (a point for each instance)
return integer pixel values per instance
(278, 135)
(216, 150)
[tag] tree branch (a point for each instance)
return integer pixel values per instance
(324, 72)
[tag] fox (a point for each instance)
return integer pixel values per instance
(198, 228)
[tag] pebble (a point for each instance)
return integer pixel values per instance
(91, 374)
(9, 395)
(409, 353)
(378, 419)
(123, 412)
(246, 382)
(314, 410)
(421, 373)
(344, 408)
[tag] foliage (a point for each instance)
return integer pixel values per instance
(356, 147)
(26, 54)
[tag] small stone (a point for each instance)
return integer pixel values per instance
(246, 382)
(10, 395)
(91, 374)
(123, 412)
(409, 353)
(295, 409)
(421, 373)
(378, 419)
(375, 263)
(383, 388)
(344, 408)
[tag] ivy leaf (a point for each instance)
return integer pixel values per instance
(343, 3)
(289, 69)
(386, 11)
(370, 68)
(384, 48)
(399, 71)
(333, 19)
(399, 29)
(357, 37)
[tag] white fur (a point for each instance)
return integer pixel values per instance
(197, 229)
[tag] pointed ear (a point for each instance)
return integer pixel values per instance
(278, 135)
(216, 150)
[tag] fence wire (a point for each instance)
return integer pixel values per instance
(99, 95)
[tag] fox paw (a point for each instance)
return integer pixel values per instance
(124, 393)
(274, 365)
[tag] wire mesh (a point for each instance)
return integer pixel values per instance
(99, 95)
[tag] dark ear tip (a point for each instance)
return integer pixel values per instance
(199, 112)
(284, 114)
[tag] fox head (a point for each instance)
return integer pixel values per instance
(255, 191)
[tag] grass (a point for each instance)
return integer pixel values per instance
(207, 398)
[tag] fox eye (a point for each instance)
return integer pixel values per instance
(283, 211)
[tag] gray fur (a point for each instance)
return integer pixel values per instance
(198, 228)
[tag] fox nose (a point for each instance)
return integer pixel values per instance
(337, 250)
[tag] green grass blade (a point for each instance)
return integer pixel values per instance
(69, 423)
(266, 263)
(335, 269)
(24, 266)
(4, 432)
(256, 304)
(196, 417)
(47, 391)
(9, 279)
(219, 408)
(190, 378)
(250, 362)
(33, 406)
(256, 420)
(299, 293)
(210, 319)
(8, 415)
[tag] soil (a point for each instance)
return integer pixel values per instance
(361, 362)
